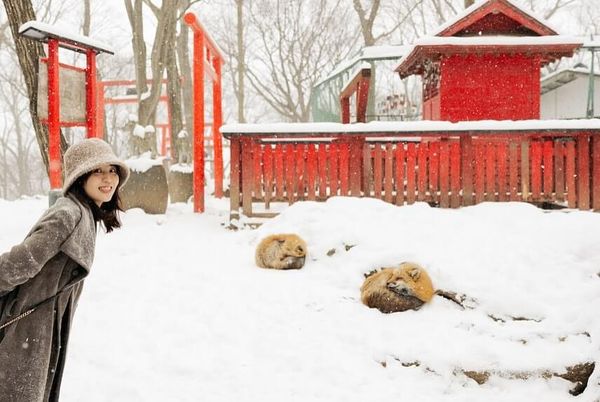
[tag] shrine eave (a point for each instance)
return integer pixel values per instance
(413, 63)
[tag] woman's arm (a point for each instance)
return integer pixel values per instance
(25, 260)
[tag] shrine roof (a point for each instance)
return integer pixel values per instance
(67, 39)
(488, 13)
(549, 48)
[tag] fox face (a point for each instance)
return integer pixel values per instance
(293, 253)
(410, 280)
(400, 288)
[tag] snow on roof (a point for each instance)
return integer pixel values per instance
(590, 41)
(563, 76)
(566, 70)
(479, 4)
(411, 126)
(386, 52)
(44, 31)
(498, 40)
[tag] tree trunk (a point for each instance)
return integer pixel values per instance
(366, 26)
(366, 22)
(87, 18)
(165, 24)
(29, 52)
(183, 55)
(134, 13)
(148, 99)
(241, 62)
(174, 91)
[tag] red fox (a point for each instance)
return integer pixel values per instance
(281, 251)
(400, 288)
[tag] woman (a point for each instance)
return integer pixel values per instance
(41, 278)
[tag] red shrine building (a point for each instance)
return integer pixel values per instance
(485, 64)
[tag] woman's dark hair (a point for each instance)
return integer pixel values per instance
(107, 213)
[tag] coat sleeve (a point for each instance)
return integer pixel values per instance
(25, 260)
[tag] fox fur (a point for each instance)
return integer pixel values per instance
(395, 289)
(281, 251)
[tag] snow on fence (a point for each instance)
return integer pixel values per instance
(402, 166)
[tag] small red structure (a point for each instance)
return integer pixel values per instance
(485, 65)
(208, 60)
(56, 38)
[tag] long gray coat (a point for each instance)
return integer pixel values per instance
(57, 252)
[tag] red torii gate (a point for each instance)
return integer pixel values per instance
(166, 131)
(205, 49)
(56, 38)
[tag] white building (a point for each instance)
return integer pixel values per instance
(564, 94)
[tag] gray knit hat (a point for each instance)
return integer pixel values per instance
(88, 155)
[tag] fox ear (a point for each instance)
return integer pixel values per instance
(415, 274)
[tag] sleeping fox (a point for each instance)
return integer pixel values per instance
(400, 288)
(281, 251)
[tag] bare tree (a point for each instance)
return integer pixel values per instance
(29, 52)
(240, 60)
(294, 43)
(183, 56)
(165, 16)
(87, 17)
(18, 145)
(174, 89)
(548, 8)
(367, 14)
(233, 43)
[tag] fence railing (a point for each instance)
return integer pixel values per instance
(447, 168)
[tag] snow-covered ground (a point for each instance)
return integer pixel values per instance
(176, 310)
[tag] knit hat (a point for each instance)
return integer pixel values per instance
(88, 155)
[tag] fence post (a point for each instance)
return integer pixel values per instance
(466, 151)
(234, 180)
(355, 165)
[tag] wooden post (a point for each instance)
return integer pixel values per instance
(100, 109)
(399, 156)
(198, 135)
(466, 146)
(595, 172)
(217, 123)
(362, 98)
(247, 175)
(525, 169)
(583, 171)
(355, 165)
(377, 171)
(345, 109)
(570, 173)
(454, 174)
(91, 95)
(234, 181)
(54, 116)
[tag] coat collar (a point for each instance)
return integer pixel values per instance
(81, 243)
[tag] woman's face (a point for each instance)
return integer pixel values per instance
(102, 183)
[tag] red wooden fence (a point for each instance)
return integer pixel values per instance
(446, 169)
